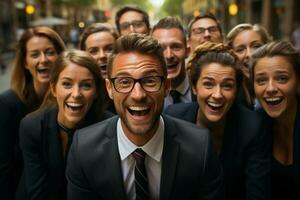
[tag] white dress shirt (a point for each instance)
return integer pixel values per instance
(153, 148)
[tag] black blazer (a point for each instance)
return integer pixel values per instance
(286, 179)
(12, 110)
(190, 167)
(44, 165)
(245, 153)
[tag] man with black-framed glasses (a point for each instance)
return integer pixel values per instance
(142, 154)
(204, 28)
(132, 19)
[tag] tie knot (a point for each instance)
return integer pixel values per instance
(139, 155)
(175, 95)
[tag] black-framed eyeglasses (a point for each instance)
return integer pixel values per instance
(148, 83)
(135, 23)
(201, 30)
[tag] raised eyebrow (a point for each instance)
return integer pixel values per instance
(208, 78)
(229, 79)
(281, 72)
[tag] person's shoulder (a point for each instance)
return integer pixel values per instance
(97, 131)
(9, 98)
(185, 130)
(184, 111)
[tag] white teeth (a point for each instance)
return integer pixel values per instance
(72, 104)
(137, 108)
(217, 105)
(272, 99)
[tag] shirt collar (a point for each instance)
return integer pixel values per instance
(152, 148)
(184, 86)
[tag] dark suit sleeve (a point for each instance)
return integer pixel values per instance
(258, 166)
(35, 171)
(78, 187)
(10, 118)
(212, 187)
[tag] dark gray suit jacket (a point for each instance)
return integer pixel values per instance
(190, 167)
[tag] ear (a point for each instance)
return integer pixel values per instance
(188, 50)
(194, 90)
(53, 90)
(109, 88)
(167, 86)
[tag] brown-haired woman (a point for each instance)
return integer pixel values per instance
(37, 50)
(276, 76)
(238, 134)
(75, 100)
(244, 39)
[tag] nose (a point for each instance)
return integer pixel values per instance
(168, 52)
(271, 88)
(248, 52)
(102, 54)
(44, 58)
(131, 28)
(217, 93)
(138, 92)
(206, 33)
(76, 92)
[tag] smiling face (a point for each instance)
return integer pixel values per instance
(175, 52)
(100, 46)
(275, 85)
(216, 91)
(139, 110)
(243, 46)
(40, 56)
(75, 92)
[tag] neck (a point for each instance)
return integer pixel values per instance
(179, 79)
(40, 89)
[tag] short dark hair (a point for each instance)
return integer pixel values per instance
(125, 9)
(141, 43)
(277, 48)
(169, 23)
(95, 28)
(205, 15)
(210, 52)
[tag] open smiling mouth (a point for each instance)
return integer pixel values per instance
(74, 106)
(43, 70)
(172, 65)
(215, 106)
(138, 110)
(273, 101)
(102, 67)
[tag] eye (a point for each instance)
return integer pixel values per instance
(35, 55)
(66, 84)
(239, 50)
(108, 49)
(282, 78)
(228, 86)
(176, 47)
(256, 45)
(50, 52)
(261, 80)
(208, 84)
(124, 82)
(93, 51)
(86, 86)
(149, 81)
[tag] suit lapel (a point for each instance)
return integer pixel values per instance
(169, 160)
(113, 172)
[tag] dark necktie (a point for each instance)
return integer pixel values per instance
(141, 180)
(176, 96)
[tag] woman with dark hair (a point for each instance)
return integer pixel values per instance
(37, 50)
(244, 39)
(238, 134)
(276, 77)
(99, 41)
(75, 100)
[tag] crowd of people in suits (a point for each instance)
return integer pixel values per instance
(156, 112)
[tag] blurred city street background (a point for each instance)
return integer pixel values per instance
(278, 16)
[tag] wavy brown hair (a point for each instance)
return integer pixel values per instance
(21, 80)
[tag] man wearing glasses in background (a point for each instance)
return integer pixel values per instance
(131, 19)
(141, 154)
(204, 28)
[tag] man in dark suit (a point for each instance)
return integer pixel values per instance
(141, 154)
(171, 35)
